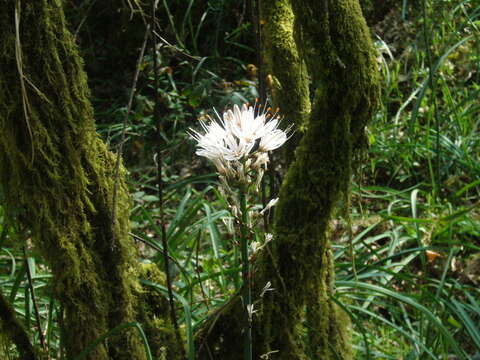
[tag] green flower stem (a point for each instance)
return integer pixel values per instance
(247, 292)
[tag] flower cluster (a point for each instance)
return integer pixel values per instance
(240, 141)
(238, 144)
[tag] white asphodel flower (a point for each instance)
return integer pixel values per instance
(249, 128)
(272, 140)
(244, 124)
(219, 143)
(238, 134)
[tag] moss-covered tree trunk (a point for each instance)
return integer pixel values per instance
(286, 70)
(57, 179)
(299, 320)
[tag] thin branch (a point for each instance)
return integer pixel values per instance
(160, 184)
(256, 17)
(256, 7)
(175, 48)
(19, 61)
(122, 140)
(90, 6)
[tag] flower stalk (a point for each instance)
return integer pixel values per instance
(247, 290)
(238, 145)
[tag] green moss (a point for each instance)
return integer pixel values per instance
(286, 69)
(57, 178)
(153, 315)
(340, 59)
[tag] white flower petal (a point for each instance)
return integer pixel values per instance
(234, 135)
(273, 140)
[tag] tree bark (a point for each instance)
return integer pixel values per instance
(286, 70)
(57, 178)
(299, 320)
